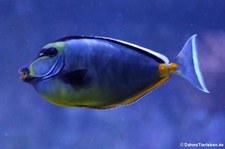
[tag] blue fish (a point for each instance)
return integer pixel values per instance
(100, 72)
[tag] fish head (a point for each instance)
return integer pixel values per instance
(48, 63)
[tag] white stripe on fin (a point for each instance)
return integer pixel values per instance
(161, 56)
(144, 50)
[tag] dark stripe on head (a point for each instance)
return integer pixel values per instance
(159, 60)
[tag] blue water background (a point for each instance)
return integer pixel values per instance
(175, 113)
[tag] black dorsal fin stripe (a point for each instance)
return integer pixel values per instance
(158, 59)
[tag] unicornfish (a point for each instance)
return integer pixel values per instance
(101, 72)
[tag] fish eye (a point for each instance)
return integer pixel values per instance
(50, 52)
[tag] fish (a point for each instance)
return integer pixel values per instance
(101, 72)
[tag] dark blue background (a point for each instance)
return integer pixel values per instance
(174, 113)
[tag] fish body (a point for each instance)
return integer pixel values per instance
(101, 72)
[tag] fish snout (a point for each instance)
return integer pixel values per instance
(25, 74)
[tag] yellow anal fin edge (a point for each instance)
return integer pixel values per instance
(125, 102)
(136, 97)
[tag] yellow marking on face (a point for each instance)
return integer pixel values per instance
(31, 65)
(31, 71)
(173, 67)
(58, 45)
(163, 70)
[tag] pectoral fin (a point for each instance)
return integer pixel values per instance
(77, 78)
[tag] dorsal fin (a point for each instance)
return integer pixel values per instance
(157, 56)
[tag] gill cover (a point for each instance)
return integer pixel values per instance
(48, 65)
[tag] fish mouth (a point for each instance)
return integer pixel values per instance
(25, 75)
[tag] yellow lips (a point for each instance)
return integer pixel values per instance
(24, 75)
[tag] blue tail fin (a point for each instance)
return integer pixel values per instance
(188, 66)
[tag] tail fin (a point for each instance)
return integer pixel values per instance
(188, 66)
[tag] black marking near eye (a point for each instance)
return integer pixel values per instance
(50, 52)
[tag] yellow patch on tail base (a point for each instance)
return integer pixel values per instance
(163, 70)
(173, 67)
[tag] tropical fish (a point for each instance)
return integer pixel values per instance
(100, 72)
